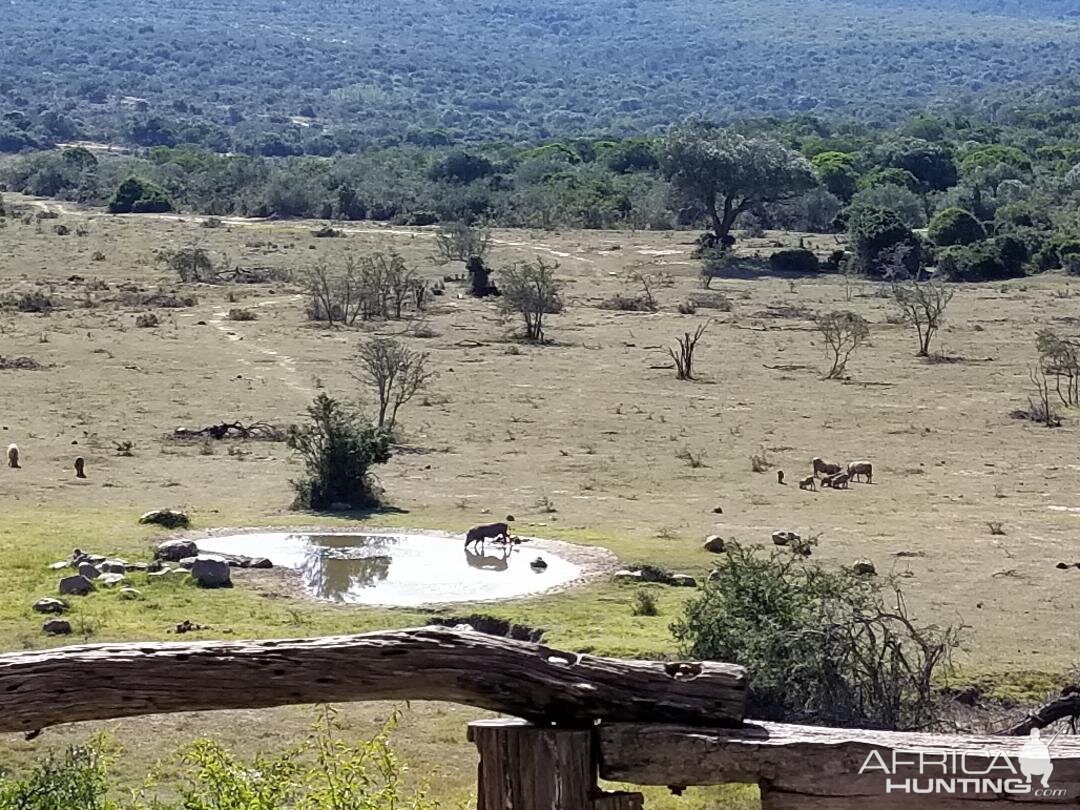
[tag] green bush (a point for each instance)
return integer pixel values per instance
(322, 772)
(77, 779)
(820, 646)
(339, 449)
(1002, 257)
(794, 261)
(955, 226)
(644, 604)
(874, 232)
(137, 195)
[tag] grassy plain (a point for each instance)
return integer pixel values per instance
(594, 426)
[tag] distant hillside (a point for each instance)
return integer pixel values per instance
(324, 75)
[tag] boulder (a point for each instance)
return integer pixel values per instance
(129, 593)
(59, 566)
(864, 567)
(112, 567)
(50, 605)
(211, 572)
(783, 538)
(187, 562)
(682, 581)
(628, 576)
(161, 572)
(176, 550)
(714, 544)
(129, 567)
(76, 585)
(109, 580)
(89, 571)
(57, 627)
(261, 562)
(169, 518)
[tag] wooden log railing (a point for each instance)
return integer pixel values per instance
(584, 719)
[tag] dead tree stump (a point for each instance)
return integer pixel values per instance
(80, 467)
(540, 768)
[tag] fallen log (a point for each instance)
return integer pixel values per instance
(1067, 706)
(809, 768)
(531, 681)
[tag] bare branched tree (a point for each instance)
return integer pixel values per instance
(394, 372)
(684, 357)
(1059, 357)
(531, 290)
(1042, 410)
(459, 242)
(843, 332)
(191, 264)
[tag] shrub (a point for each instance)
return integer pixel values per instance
(137, 195)
(531, 290)
(820, 646)
(339, 448)
(955, 226)
(995, 259)
(874, 232)
(843, 332)
(794, 261)
(394, 373)
(33, 301)
(644, 604)
(191, 264)
(77, 778)
(237, 314)
(147, 320)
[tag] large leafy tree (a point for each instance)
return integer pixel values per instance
(728, 173)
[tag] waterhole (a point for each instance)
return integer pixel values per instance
(404, 570)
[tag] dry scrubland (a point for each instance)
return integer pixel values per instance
(593, 426)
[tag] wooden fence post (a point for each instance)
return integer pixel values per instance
(527, 767)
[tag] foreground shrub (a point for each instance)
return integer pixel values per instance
(820, 646)
(339, 449)
(323, 772)
(77, 778)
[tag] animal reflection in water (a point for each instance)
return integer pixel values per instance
(499, 560)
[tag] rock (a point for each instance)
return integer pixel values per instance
(129, 593)
(864, 567)
(261, 562)
(50, 605)
(538, 564)
(109, 580)
(113, 567)
(57, 627)
(340, 506)
(682, 581)
(154, 565)
(129, 567)
(76, 585)
(783, 538)
(89, 571)
(718, 510)
(169, 518)
(1062, 566)
(161, 572)
(211, 572)
(176, 550)
(58, 566)
(714, 544)
(188, 626)
(187, 562)
(628, 576)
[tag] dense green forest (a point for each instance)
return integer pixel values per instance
(265, 77)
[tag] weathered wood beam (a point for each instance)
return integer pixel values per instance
(102, 681)
(540, 768)
(807, 768)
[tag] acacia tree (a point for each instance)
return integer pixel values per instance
(728, 173)
(531, 290)
(843, 332)
(394, 372)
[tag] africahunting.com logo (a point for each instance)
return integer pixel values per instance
(967, 773)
